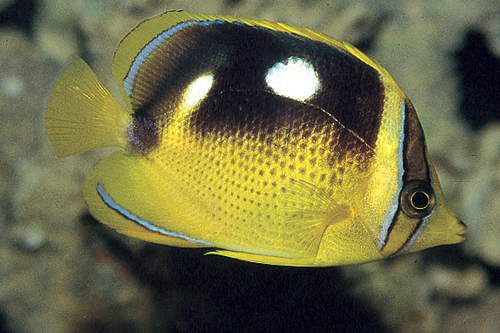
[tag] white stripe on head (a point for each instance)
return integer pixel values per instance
(416, 234)
(391, 212)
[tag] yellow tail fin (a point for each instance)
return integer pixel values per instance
(82, 115)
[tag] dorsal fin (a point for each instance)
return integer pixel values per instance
(139, 43)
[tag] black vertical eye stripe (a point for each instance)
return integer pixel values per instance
(415, 161)
(416, 167)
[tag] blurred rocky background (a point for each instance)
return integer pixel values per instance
(61, 271)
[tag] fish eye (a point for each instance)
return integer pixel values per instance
(417, 199)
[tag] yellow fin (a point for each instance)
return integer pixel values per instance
(311, 210)
(135, 41)
(128, 194)
(82, 115)
(263, 259)
(144, 33)
(307, 212)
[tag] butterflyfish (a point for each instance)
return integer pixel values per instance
(263, 141)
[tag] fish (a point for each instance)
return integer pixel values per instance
(258, 140)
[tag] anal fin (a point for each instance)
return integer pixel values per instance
(126, 193)
(265, 259)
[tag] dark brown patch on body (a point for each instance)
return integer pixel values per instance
(143, 134)
(239, 57)
(352, 93)
(280, 123)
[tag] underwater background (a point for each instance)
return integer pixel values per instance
(62, 271)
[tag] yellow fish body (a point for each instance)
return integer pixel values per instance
(272, 143)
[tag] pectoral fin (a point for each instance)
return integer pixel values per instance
(307, 211)
(310, 210)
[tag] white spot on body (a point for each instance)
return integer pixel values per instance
(197, 90)
(295, 78)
